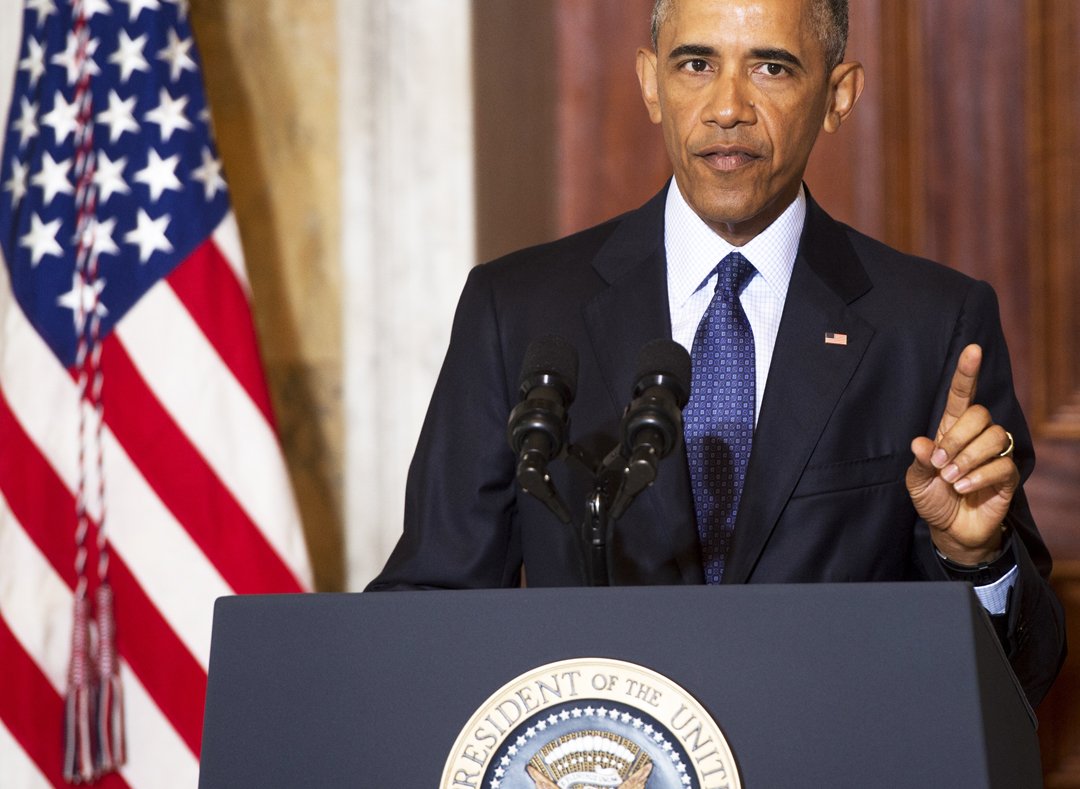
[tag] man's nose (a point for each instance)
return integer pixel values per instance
(730, 101)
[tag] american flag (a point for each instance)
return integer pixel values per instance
(137, 443)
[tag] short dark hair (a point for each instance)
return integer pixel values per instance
(830, 18)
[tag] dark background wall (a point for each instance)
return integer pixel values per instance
(964, 148)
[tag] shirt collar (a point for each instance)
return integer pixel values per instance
(693, 248)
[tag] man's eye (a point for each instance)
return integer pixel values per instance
(774, 69)
(697, 65)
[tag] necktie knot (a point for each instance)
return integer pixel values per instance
(734, 272)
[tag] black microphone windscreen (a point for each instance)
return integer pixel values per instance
(664, 357)
(551, 355)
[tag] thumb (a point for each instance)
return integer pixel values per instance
(921, 472)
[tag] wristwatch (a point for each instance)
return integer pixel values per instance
(981, 574)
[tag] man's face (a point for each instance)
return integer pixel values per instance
(741, 91)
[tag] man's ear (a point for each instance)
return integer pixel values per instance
(845, 87)
(646, 73)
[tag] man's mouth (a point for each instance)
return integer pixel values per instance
(728, 158)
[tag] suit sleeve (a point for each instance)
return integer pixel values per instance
(460, 528)
(1034, 639)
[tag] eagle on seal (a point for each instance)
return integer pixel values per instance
(636, 780)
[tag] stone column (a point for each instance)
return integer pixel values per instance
(408, 241)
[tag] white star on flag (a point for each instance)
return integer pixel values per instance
(98, 237)
(26, 124)
(71, 59)
(119, 116)
(169, 114)
(17, 183)
(83, 299)
(159, 174)
(43, 8)
(41, 240)
(176, 55)
(209, 174)
(53, 177)
(63, 118)
(138, 5)
(129, 55)
(34, 62)
(109, 177)
(149, 235)
(88, 8)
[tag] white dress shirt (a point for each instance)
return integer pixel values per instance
(693, 252)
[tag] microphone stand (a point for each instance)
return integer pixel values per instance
(595, 536)
(651, 428)
(594, 539)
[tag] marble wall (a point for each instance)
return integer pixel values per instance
(408, 235)
(345, 129)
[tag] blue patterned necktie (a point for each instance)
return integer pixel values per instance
(719, 419)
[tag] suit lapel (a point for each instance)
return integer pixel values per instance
(807, 377)
(630, 312)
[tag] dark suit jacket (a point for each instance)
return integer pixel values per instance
(824, 499)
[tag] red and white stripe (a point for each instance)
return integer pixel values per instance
(199, 506)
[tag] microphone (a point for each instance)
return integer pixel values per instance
(539, 424)
(652, 425)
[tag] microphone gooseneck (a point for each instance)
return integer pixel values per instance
(652, 425)
(539, 425)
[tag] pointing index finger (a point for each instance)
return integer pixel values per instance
(962, 388)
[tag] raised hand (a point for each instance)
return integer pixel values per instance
(963, 480)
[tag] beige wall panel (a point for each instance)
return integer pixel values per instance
(271, 72)
(408, 241)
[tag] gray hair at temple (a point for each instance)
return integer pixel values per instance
(830, 18)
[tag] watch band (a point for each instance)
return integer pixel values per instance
(980, 574)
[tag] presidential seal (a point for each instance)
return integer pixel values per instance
(591, 723)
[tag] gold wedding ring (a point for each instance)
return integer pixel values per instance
(1009, 449)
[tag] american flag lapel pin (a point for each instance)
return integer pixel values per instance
(835, 338)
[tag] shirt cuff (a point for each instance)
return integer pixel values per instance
(994, 597)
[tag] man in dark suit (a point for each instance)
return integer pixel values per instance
(874, 456)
